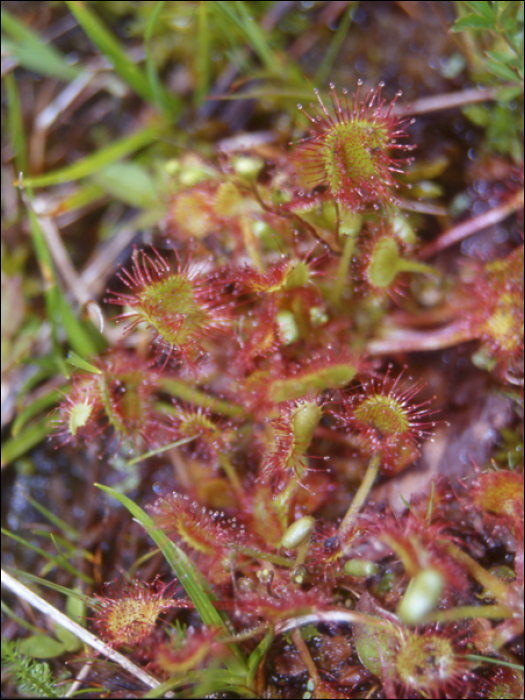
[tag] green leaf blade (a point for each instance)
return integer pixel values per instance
(472, 22)
(190, 578)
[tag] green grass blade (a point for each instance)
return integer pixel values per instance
(189, 576)
(167, 104)
(83, 337)
(81, 197)
(111, 49)
(202, 57)
(19, 620)
(15, 447)
(204, 682)
(60, 524)
(47, 584)
(57, 560)
(16, 124)
(258, 655)
(496, 662)
(81, 363)
(32, 52)
(99, 159)
(191, 579)
(252, 33)
(43, 402)
(336, 44)
(258, 39)
(144, 84)
(160, 450)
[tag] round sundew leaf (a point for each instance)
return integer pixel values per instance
(500, 493)
(506, 683)
(170, 308)
(348, 149)
(383, 413)
(181, 307)
(348, 153)
(427, 663)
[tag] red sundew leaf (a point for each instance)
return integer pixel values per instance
(347, 152)
(376, 647)
(500, 493)
(181, 307)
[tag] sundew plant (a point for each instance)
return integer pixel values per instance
(262, 349)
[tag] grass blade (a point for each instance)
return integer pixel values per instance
(83, 337)
(189, 576)
(252, 33)
(57, 560)
(32, 52)
(138, 81)
(96, 161)
(69, 592)
(16, 124)
(167, 104)
(43, 402)
(60, 524)
(112, 49)
(326, 66)
(15, 447)
(202, 58)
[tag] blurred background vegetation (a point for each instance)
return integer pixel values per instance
(108, 107)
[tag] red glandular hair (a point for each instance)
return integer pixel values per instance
(384, 415)
(183, 307)
(347, 152)
(116, 401)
